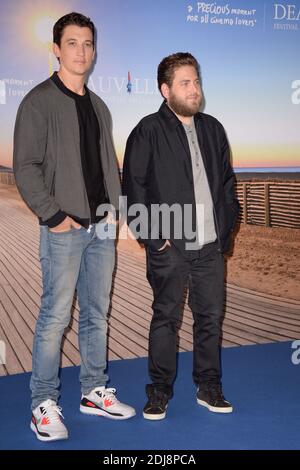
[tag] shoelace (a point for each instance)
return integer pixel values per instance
(216, 392)
(157, 397)
(53, 412)
(110, 393)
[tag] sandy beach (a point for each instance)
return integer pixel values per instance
(267, 260)
(264, 259)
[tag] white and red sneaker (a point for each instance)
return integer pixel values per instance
(103, 402)
(46, 422)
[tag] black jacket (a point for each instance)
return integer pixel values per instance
(158, 169)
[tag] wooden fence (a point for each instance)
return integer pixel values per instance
(270, 203)
(7, 177)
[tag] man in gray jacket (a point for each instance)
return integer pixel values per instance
(66, 171)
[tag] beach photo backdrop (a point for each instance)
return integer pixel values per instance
(248, 52)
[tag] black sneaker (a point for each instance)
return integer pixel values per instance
(157, 403)
(212, 398)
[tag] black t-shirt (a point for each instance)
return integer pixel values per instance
(90, 154)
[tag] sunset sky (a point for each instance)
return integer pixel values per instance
(247, 72)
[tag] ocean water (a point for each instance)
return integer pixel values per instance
(273, 169)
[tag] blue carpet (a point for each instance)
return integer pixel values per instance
(261, 382)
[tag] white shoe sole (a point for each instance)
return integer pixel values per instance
(57, 437)
(215, 409)
(154, 417)
(97, 412)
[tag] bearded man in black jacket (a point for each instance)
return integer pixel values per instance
(179, 158)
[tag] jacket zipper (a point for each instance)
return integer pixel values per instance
(52, 188)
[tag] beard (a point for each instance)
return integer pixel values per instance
(182, 108)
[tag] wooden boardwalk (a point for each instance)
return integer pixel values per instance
(250, 317)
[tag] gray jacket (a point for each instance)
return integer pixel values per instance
(47, 159)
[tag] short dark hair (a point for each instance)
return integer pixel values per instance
(167, 67)
(71, 19)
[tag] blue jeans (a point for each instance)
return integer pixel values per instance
(71, 260)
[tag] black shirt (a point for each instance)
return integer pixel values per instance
(90, 155)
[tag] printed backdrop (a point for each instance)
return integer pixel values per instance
(249, 54)
(248, 51)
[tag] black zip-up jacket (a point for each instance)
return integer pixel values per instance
(158, 169)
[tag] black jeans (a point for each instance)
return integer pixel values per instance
(168, 273)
